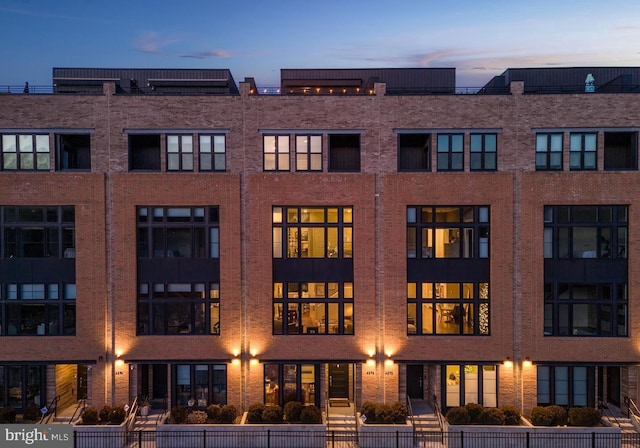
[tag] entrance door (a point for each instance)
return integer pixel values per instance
(613, 385)
(339, 381)
(415, 375)
(159, 388)
(81, 382)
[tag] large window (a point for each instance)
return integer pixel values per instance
(204, 384)
(37, 309)
(470, 383)
(482, 152)
(178, 308)
(414, 152)
(291, 382)
(191, 232)
(25, 152)
(450, 152)
(22, 385)
(37, 232)
(344, 152)
(313, 308)
(312, 232)
(308, 153)
(582, 154)
(586, 309)
(73, 152)
(179, 153)
(213, 152)
(586, 231)
(566, 386)
(276, 152)
(549, 151)
(448, 308)
(448, 232)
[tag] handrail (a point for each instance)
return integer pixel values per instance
(326, 408)
(163, 411)
(130, 416)
(633, 408)
(436, 410)
(82, 404)
(607, 412)
(51, 410)
(410, 410)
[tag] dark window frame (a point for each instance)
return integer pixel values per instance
(629, 151)
(545, 160)
(22, 156)
(414, 152)
(182, 156)
(281, 155)
(218, 159)
(450, 155)
(345, 153)
(483, 155)
(306, 155)
(571, 392)
(181, 398)
(580, 151)
(144, 152)
(73, 152)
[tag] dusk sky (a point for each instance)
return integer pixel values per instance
(258, 38)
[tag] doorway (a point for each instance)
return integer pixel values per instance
(415, 378)
(339, 381)
(609, 381)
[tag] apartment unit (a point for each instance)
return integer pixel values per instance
(353, 235)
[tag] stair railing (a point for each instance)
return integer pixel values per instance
(50, 411)
(82, 404)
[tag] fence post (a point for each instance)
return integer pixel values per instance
(140, 437)
(333, 438)
(528, 442)
(268, 438)
(461, 439)
(204, 438)
(593, 440)
(397, 439)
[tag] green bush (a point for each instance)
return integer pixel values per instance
(292, 411)
(7, 415)
(213, 412)
(254, 413)
(179, 414)
(548, 416)
(399, 412)
(458, 416)
(228, 414)
(272, 414)
(311, 415)
(117, 415)
(197, 417)
(511, 415)
(368, 409)
(584, 417)
(104, 413)
(90, 416)
(31, 413)
(492, 416)
(474, 410)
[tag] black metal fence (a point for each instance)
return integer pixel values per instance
(353, 439)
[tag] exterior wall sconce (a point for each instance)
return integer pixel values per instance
(507, 362)
(119, 361)
(253, 361)
(388, 362)
(527, 362)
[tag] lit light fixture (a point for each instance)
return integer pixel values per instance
(527, 362)
(388, 362)
(119, 361)
(236, 360)
(254, 361)
(507, 362)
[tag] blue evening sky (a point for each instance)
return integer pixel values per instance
(480, 38)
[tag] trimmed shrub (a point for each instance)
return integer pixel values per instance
(458, 416)
(584, 417)
(474, 410)
(272, 414)
(511, 415)
(254, 413)
(559, 415)
(179, 414)
(399, 412)
(104, 413)
(117, 415)
(197, 417)
(213, 412)
(7, 415)
(311, 415)
(548, 416)
(31, 413)
(292, 410)
(368, 409)
(90, 416)
(228, 414)
(492, 416)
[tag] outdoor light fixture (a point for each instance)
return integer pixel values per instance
(527, 362)
(507, 362)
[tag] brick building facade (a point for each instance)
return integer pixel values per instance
(361, 235)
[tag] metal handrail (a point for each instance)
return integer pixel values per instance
(410, 411)
(82, 404)
(607, 412)
(436, 410)
(163, 411)
(51, 410)
(633, 408)
(130, 416)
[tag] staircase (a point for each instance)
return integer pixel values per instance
(426, 423)
(342, 428)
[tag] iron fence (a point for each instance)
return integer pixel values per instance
(352, 439)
